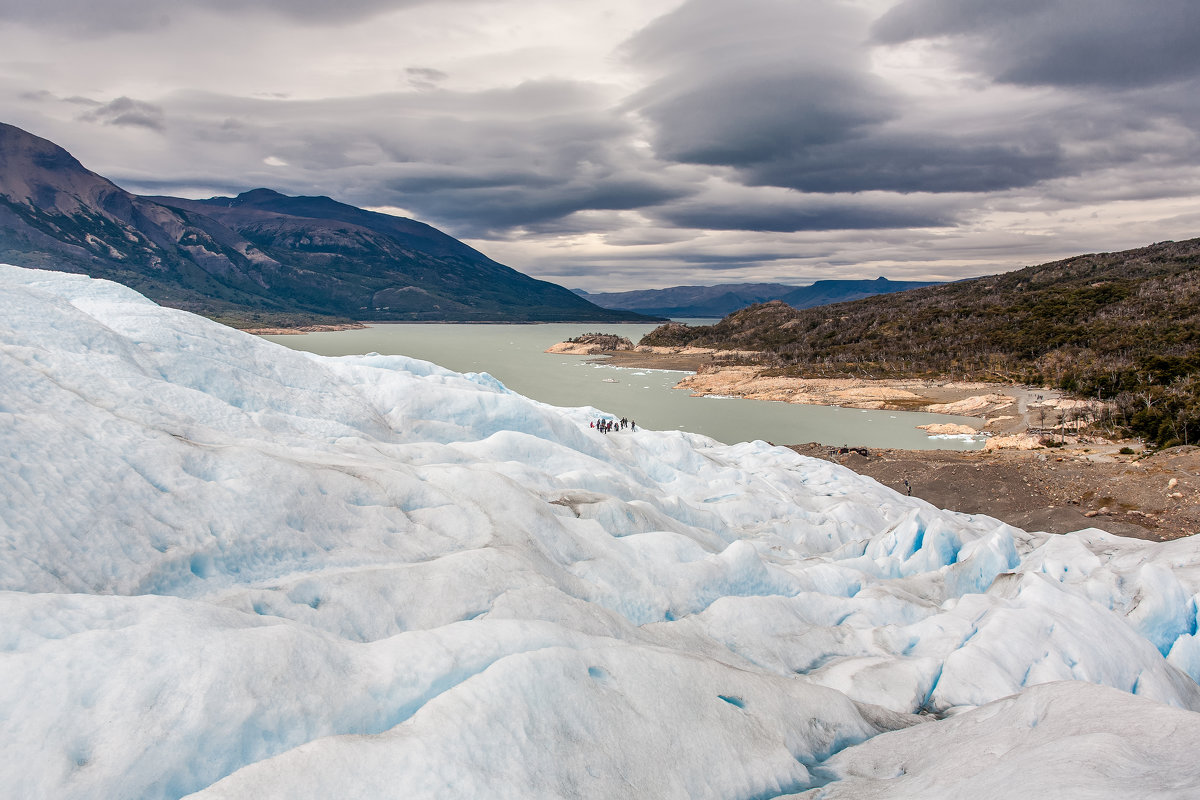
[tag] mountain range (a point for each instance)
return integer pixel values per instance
(261, 258)
(717, 301)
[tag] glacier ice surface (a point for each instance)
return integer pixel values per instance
(237, 570)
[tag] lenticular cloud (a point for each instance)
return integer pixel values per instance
(234, 570)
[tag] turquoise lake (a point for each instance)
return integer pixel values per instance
(514, 355)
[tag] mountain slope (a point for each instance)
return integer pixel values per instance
(259, 257)
(56, 214)
(1123, 325)
(717, 301)
(826, 292)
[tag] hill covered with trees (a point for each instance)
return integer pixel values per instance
(1119, 326)
(717, 301)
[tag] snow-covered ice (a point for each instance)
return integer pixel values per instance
(1061, 740)
(236, 570)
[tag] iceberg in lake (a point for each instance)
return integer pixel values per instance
(237, 570)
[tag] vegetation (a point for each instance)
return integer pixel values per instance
(605, 341)
(1123, 327)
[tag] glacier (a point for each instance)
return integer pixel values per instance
(234, 570)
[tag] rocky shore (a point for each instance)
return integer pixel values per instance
(591, 344)
(347, 326)
(1015, 417)
(939, 397)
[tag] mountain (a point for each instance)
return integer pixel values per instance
(824, 293)
(717, 301)
(258, 258)
(240, 571)
(1121, 326)
(690, 301)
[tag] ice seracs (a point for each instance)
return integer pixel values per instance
(237, 570)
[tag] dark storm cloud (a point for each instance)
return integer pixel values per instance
(710, 265)
(193, 184)
(421, 179)
(482, 164)
(912, 163)
(424, 77)
(724, 261)
(90, 17)
(126, 111)
(801, 214)
(1098, 43)
(765, 113)
(735, 86)
(798, 107)
(45, 95)
(491, 211)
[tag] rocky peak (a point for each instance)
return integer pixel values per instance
(36, 171)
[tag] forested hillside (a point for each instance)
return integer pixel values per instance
(1120, 326)
(717, 301)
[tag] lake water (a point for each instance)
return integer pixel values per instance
(514, 355)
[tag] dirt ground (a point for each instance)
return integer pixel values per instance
(1057, 490)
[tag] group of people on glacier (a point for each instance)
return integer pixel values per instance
(605, 425)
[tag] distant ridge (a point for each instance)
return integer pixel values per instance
(261, 258)
(717, 301)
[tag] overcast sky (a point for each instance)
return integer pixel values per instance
(620, 144)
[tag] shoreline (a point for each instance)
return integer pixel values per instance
(302, 329)
(691, 359)
(1013, 416)
(367, 323)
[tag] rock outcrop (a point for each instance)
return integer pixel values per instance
(592, 344)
